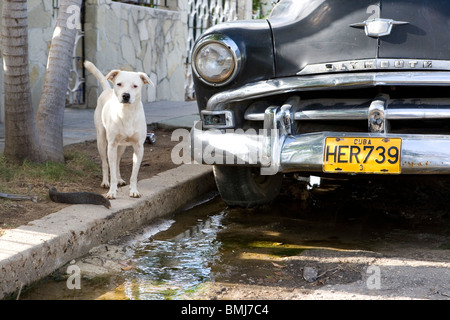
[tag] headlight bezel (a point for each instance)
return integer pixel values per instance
(232, 49)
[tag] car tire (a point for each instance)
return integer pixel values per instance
(245, 186)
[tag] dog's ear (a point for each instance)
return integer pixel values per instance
(112, 75)
(145, 79)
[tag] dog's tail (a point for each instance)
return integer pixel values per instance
(100, 77)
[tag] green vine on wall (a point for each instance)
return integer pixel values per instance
(258, 12)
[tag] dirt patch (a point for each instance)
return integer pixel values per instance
(157, 158)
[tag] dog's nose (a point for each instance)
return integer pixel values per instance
(126, 97)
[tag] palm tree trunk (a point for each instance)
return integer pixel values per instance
(21, 140)
(50, 113)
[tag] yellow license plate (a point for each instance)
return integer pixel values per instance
(362, 155)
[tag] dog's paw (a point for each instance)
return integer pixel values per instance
(121, 182)
(111, 195)
(105, 185)
(135, 194)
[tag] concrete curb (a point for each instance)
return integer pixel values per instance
(184, 122)
(33, 251)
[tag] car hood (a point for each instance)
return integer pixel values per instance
(315, 36)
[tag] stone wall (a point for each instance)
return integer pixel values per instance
(120, 36)
(130, 37)
(117, 36)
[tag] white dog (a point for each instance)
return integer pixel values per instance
(120, 122)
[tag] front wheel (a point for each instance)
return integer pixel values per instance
(245, 186)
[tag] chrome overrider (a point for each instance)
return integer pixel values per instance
(276, 149)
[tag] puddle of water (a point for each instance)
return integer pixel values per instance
(169, 261)
(169, 267)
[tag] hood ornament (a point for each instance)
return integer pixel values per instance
(378, 27)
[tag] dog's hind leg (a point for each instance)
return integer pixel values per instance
(120, 151)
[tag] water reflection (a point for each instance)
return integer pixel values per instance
(169, 268)
(168, 259)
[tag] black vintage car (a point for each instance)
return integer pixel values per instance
(324, 87)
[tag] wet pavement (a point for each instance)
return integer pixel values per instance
(343, 239)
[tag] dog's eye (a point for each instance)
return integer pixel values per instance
(119, 84)
(135, 86)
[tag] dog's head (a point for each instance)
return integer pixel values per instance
(128, 85)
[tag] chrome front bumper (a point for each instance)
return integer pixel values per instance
(276, 149)
(275, 152)
(421, 154)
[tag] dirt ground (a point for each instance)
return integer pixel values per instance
(156, 159)
(383, 240)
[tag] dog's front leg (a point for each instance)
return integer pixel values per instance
(112, 159)
(120, 151)
(137, 159)
(102, 146)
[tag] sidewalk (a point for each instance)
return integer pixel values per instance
(79, 123)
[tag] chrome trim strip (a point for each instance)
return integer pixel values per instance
(400, 114)
(335, 114)
(362, 113)
(327, 82)
(376, 64)
(254, 116)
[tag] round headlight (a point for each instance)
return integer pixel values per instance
(216, 60)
